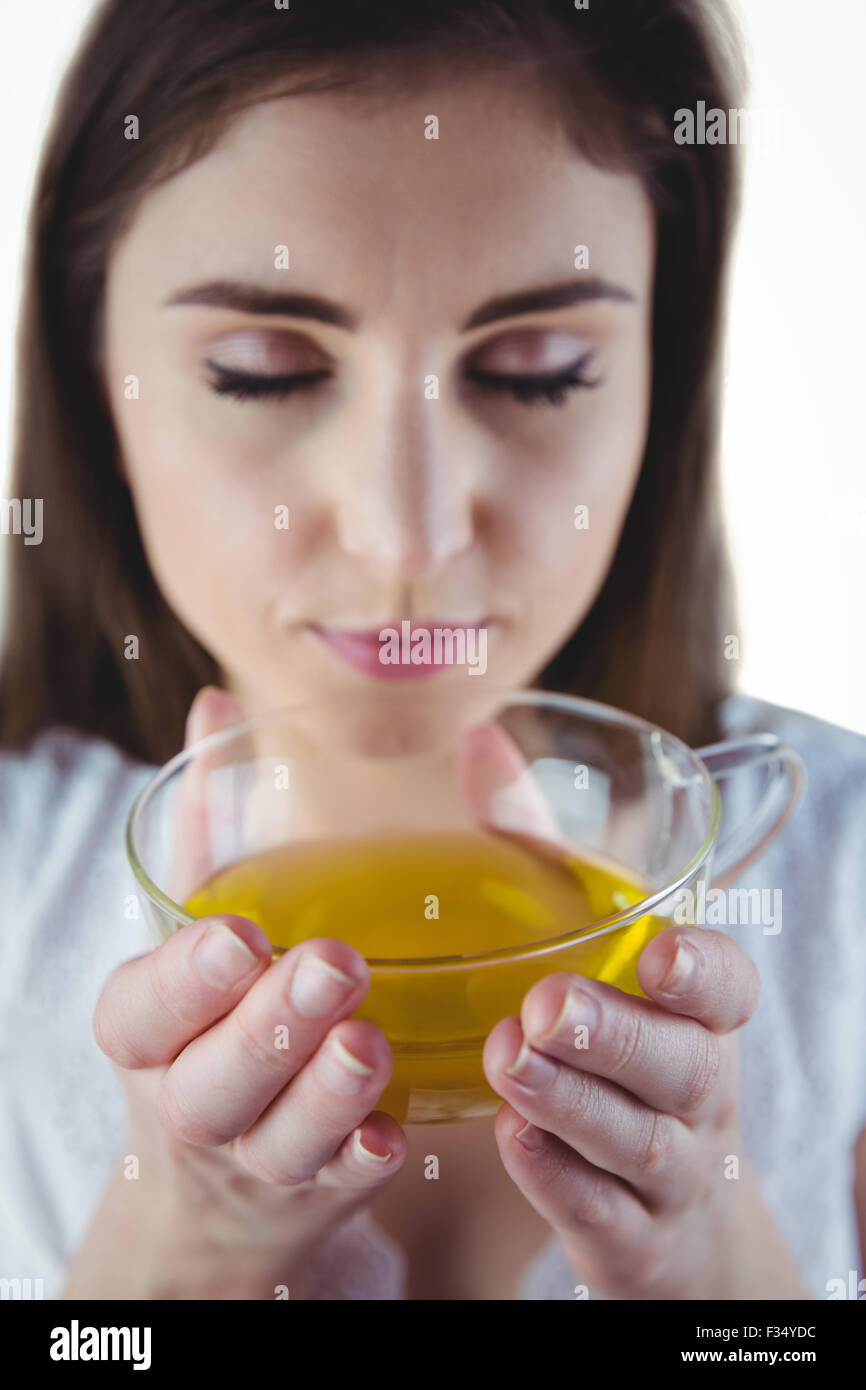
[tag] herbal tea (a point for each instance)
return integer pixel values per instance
(401, 899)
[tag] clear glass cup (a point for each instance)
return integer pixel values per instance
(563, 780)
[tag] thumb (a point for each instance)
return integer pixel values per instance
(500, 788)
(212, 709)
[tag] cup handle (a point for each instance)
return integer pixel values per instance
(786, 782)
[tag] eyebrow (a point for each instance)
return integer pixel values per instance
(252, 299)
(547, 297)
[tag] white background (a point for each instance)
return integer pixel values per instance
(794, 458)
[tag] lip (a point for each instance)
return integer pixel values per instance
(361, 648)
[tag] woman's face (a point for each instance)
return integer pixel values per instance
(419, 292)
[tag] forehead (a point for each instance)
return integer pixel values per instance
(379, 216)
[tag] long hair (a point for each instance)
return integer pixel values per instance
(653, 640)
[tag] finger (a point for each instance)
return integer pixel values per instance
(499, 788)
(703, 974)
(654, 1153)
(368, 1157)
(675, 1065)
(309, 1120)
(607, 1232)
(224, 1080)
(153, 1005)
(212, 709)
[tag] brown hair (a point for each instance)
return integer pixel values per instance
(653, 640)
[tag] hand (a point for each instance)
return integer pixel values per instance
(626, 1144)
(250, 1152)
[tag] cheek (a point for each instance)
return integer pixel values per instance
(567, 507)
(212, 525)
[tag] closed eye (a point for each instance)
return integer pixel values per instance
(549, 388)
(246, 386)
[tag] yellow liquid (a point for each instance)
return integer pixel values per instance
(413, 896)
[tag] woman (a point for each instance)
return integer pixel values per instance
(424, 282)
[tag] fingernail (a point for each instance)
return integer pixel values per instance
(340, 1071)
(530, 1069)
(530, 1137)
(222, 958)
(683, 969)
(318, 987)
(579, 1009)
(366, 1155)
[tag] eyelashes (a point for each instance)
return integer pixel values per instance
(551, 388)
(244, 386)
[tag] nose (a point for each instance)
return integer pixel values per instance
(405, 501)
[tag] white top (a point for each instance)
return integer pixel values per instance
(68, 916)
